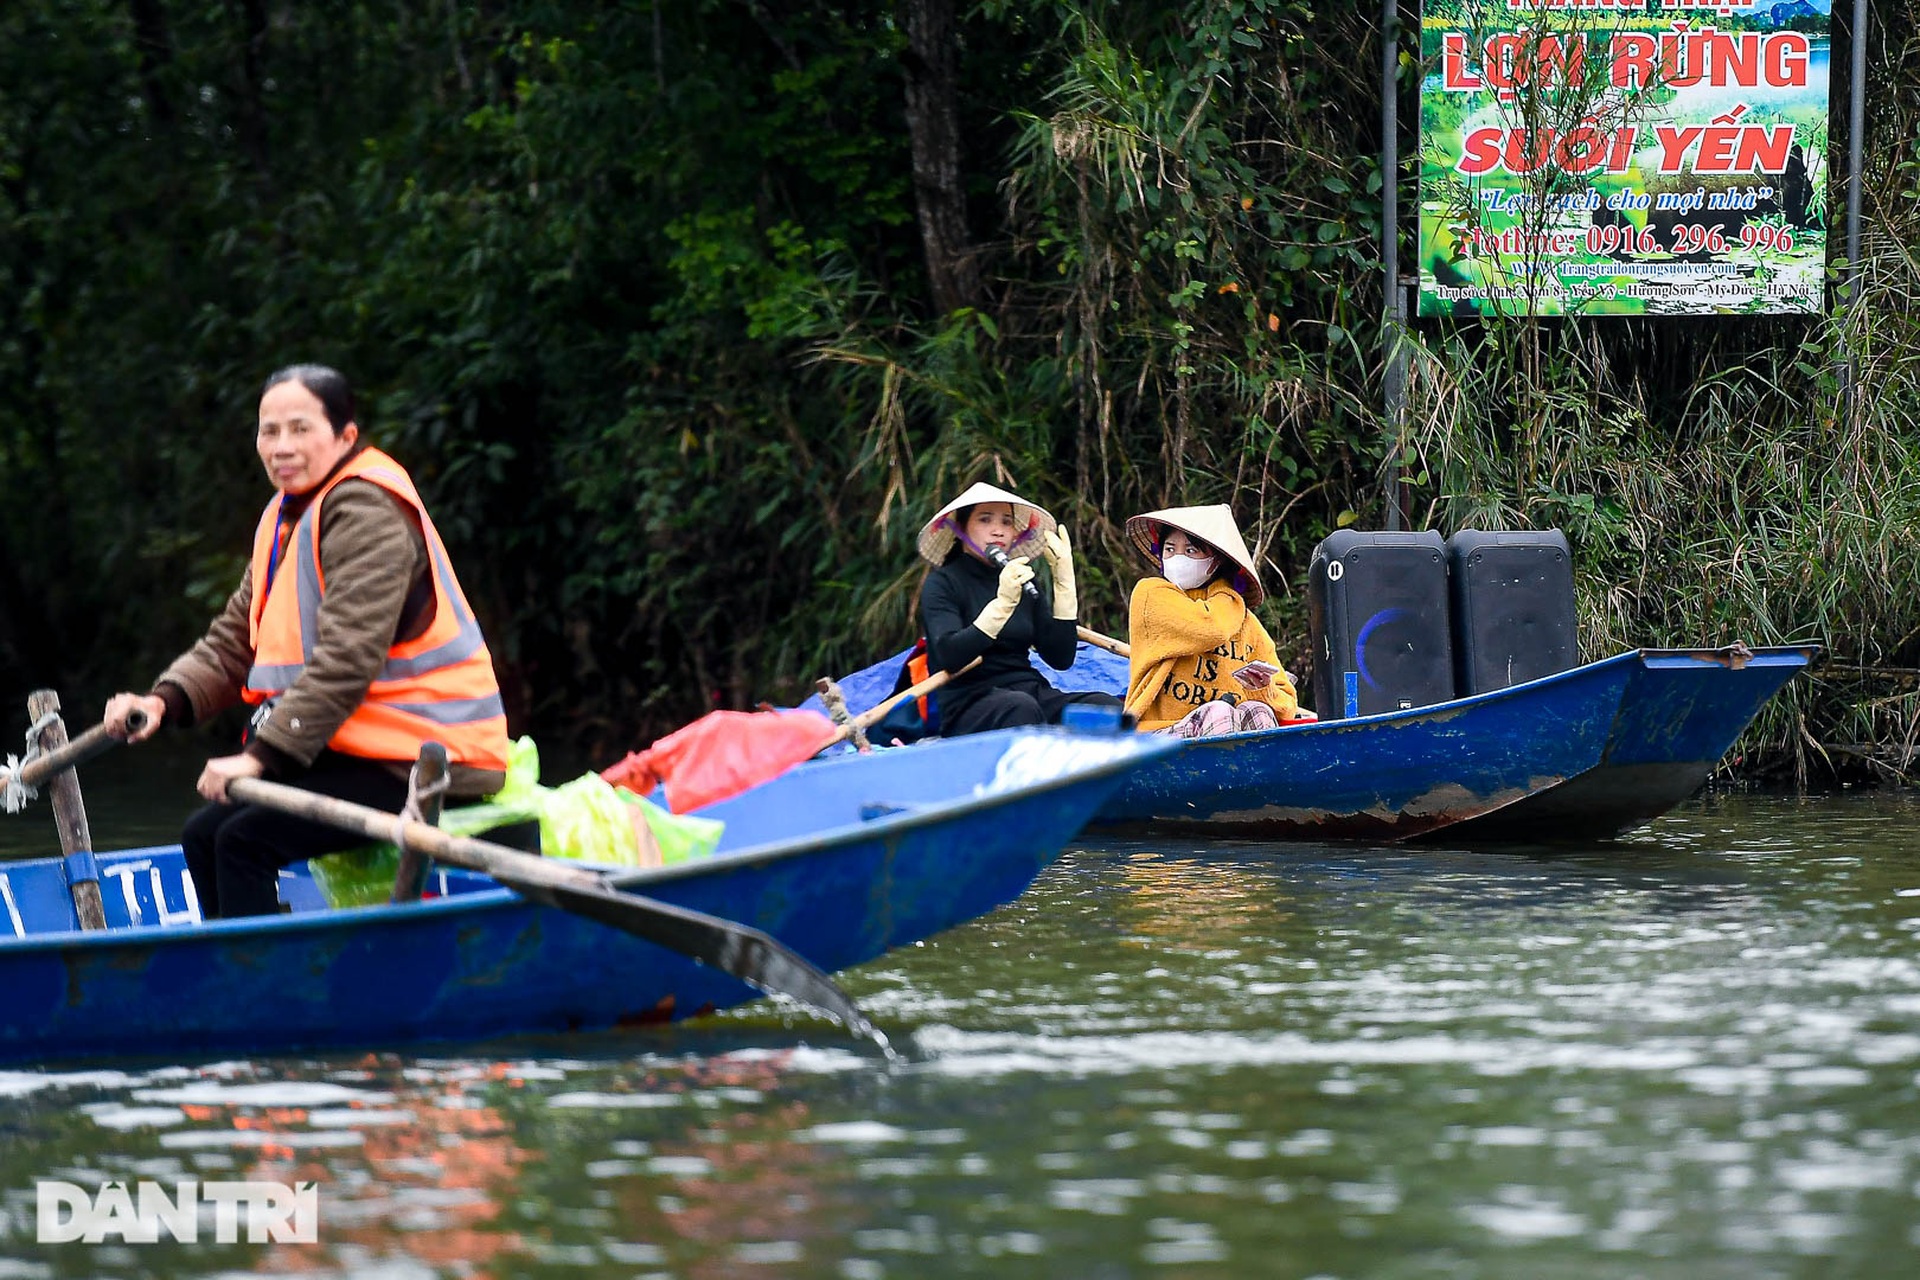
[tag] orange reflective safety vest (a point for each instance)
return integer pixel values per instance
(437, 687)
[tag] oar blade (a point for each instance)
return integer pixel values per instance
(741, 950)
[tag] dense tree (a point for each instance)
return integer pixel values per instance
(682, 313)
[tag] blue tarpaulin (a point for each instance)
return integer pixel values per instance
(1093, 669)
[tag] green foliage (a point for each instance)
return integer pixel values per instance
(638, 293)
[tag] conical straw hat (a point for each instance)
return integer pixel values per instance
(937, 536)
(1212, 525)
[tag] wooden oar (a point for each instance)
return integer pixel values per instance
(855, 727)
(745, 952)
(79, 751)
(1108, 643)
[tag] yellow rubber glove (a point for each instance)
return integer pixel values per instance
(1066, 601)
(1015, 576)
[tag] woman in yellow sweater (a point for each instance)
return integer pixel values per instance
(1202, 663)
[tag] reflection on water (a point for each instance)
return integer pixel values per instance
(1693, 1053)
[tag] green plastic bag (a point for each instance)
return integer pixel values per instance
(587, 820)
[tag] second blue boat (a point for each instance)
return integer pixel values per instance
(1583, 754)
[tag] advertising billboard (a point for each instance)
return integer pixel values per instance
(1623, 157)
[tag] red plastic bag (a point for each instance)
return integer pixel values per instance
(722, 754)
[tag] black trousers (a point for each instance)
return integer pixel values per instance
(1007, 707)
(235, 851)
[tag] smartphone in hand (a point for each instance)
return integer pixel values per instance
(1256, 675)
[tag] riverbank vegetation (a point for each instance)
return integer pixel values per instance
(685, 314)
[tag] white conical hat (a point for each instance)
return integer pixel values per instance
(1212, 525)
(936, 536)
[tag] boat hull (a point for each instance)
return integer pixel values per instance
(1583, 754)
(483, 963)
(1681, 713)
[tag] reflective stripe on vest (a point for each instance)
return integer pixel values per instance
(445, 692)
(271, 679)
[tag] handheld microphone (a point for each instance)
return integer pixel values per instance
(1000, 559)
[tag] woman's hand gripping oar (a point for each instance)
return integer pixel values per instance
(748, 954)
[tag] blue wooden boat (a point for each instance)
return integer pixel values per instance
(1584, 754)
(839, 859)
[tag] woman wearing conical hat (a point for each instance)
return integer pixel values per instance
(1201, 662)
(980, 602)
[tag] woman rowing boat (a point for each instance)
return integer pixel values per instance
(348, 634)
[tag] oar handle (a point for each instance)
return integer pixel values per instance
(495, 860)
(78, 751)
(1108, 643)
(874, 714)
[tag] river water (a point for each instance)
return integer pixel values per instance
(1692, 1053)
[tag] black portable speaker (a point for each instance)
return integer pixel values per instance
(1513, 613)
(1377, 611)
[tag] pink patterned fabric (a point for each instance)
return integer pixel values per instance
(1219, 716)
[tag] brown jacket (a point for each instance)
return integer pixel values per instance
(378, 591)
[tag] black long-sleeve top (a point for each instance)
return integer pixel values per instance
(952, 598)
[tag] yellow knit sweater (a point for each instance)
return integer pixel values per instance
(1186, 644)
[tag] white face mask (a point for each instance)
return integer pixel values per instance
(1185, 572)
